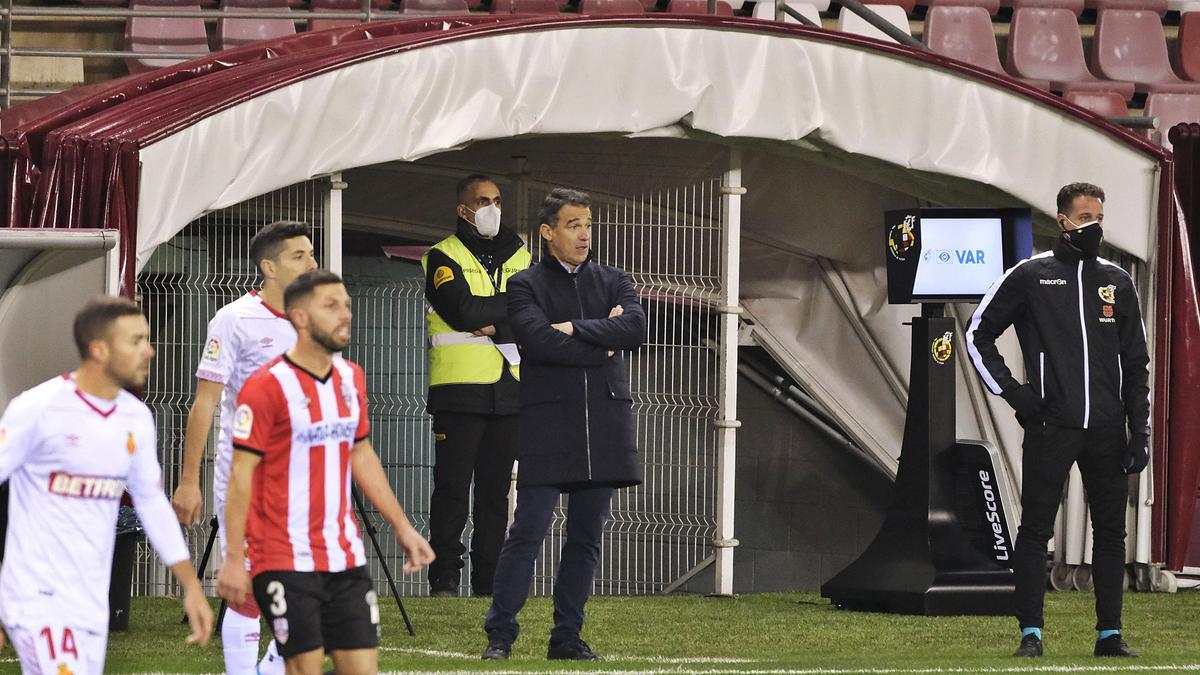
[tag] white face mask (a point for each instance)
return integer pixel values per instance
(487, 220)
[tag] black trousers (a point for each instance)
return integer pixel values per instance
(482, 446)
(587, 511)
(1049, 452)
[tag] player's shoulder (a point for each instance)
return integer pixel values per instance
(346, 364)
(1112, 270)
(136, 406)
(247, 306)
(262, 376)
(39, 398)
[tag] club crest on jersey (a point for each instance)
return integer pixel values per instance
(85, 487)
(943, 347)
(280, 626)
(1108, 293)
(243, 422)
(130, 445)
(64, 670)
(212, 351)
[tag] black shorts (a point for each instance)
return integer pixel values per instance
(310, 610)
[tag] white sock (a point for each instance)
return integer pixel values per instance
(239, 639)
(272, 662)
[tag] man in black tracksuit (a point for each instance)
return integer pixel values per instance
(473, 386)
(1084, 349)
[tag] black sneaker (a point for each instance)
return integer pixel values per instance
(577, 650)
(496, 651)
(1031, 646)
(1114, 645)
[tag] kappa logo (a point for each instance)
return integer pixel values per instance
(1108, 293)
(902, 238)
(243, 422)
(943, 347)
(212, 350)
(441, 275)
(280, 627)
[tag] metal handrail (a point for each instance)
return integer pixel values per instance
(782, 8)
(882, 24)
(116, 13)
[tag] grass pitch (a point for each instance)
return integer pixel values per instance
(691, 634)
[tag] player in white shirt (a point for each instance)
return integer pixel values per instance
(242, 336)
(70, 447)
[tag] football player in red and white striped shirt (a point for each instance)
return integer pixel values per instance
(71, 447)
(300, 436)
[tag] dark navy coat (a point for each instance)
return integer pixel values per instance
(576, 422)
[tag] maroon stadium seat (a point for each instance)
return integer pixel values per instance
(101, 3)
(1130, 45)
(611, 7)
(698, 7)
(1159, 7)
(1187, 47)
(1073, 6)
(992, 6)
(1104, 103)
(333, 6)
(1172, 109)
(164, 34)
(966, 34)
(525, 7)
(1045, 44)
(238, 32)
(434, 7)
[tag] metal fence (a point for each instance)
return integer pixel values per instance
(670, 242)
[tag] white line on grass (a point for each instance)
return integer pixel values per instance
(1193, 667)
(608, 657)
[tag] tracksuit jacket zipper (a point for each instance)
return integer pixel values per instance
(1087, 375)
(587, 425)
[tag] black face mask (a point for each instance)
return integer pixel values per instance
(1087, 238)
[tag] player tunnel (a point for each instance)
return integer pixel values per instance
(740, 171)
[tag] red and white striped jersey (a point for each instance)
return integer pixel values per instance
(68, 458)
(301, 514)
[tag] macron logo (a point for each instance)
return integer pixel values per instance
(86, 487)
(1052, 282)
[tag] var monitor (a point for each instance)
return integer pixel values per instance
(952, 254)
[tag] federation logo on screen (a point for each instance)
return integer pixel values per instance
(902, 238)
(1108, 294)
(943, 347)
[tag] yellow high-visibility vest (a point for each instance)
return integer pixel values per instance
(456, 357)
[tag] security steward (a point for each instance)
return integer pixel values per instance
(1086, 402)
(473, 385)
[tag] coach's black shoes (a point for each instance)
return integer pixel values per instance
(576, 650)
(497, 651)
(1114, 645)
(1031, 646)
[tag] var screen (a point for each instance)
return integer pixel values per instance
(959, 256)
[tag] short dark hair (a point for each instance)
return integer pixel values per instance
(558, 198)
(465, 184)
(1068, 193)
(304, 285)
(97, 316)
(269, 240)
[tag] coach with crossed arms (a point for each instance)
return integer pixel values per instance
(572, 318)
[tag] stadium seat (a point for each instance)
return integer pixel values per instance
(966, 34)
(849, 22)
(1073, 6)
(1045, 44)
(1183, 6)
(1104, 103)
(1159, 7)
(238, 32)
(698, 7)
(1187, 46)
(525, 7)
(907, 5)
(333, 6)
(1130, 45)
(163, 34)
(992, 6)
(1172, 109)
(434, 7)
(766, 10)
(611, 7)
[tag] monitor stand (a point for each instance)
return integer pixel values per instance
(922, 561)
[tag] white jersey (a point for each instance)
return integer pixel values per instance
(69, 458)
(242, 336)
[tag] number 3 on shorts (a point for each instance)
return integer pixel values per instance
(278, 602)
